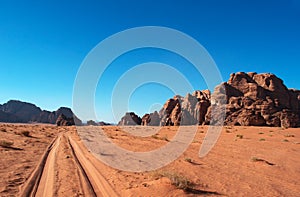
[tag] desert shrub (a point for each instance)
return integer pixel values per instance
(262, 139)
(260, 133)
(161, 138)
(188, 160)
(6, 144)
(165, 138)
(179, 181)
(285, 140)
(3, 129)
(255, 159)
(289, 135)
(240, 136)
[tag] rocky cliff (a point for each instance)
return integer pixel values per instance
(23, 112)
(249, 99)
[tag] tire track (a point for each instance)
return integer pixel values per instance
(43, 181)
(99, 184)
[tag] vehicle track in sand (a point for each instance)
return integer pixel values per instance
(66, 170)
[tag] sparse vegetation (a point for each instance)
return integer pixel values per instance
(285, 140)
(3, 130)
(262, 139)
(260, 133)
(160, 138)
(227, 131)
(240, 136)
(179, 181)
(6, 144)
(165, 138)
(155, 137)
(289, 135)
(188, 160)
(255, 159)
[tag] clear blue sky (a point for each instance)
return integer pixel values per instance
(42, 44)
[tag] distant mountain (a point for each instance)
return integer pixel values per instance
(249, 99)
(22, 112)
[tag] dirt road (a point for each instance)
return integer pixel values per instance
(65, 169)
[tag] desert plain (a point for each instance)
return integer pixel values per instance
(46, 160)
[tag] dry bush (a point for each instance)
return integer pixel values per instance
(6, 144)
(179, 181)
(188, 160)
(289, 135)
(240, 136)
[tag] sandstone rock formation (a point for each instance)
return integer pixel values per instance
(259, 100)
(92, 123)
(247, 99)
(102, 123)
(23, 112)
(151, 119)
(130, 118)
(62, 120)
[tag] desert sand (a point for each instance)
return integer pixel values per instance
(46, 160)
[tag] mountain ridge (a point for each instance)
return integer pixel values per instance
(16, 111)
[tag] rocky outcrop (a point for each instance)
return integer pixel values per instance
(23, 112)
(130, 118)
(92, 123)
(102, 123)
(62, 120)
(259, 100)
(188, 110)
(247, 99)
(8, 117)
(151, 119)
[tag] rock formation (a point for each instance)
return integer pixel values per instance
(92, 123)
(23, 112)
(247, 99)
(130, 118)
(151, 119)
(62, 120)
(102, 123)
(260, 100)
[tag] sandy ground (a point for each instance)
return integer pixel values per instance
(246, 161)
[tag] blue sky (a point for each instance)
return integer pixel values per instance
(42, 45)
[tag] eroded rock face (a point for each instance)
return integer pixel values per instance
(130, 118)
(151, 119)
(62, 120)
(247, 99)
(260, 100)
(23, 112)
